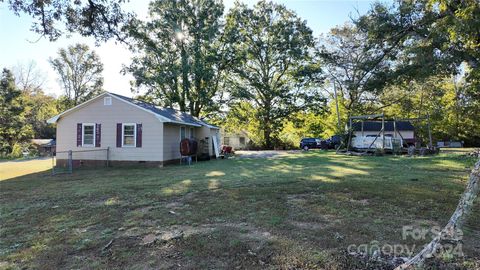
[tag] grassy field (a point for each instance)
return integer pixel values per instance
(15, 168)
(295, 211)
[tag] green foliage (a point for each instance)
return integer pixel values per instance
(80, 74)
(17, 151)
(425, 50)
(100, 19)
(300, 125)
(359, 68)
(181, 59)
(330, 118)
(453, 113)
(273, 68)
(38, 108)
(242, 116)
(13, 128)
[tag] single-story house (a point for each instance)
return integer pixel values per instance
(134, 132)
(237, 140)
(45, 147)
(404, 130)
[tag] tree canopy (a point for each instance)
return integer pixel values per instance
(80, 74)
(101, 19)
(180, 57)
(273, 65)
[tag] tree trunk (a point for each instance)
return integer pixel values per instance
(267, 134)
(267, 127)
(185, 96)
(455, 224)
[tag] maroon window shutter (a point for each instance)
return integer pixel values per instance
(139, 135)
(79, 134)
(98, 135)
(119, 134)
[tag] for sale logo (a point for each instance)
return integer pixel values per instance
(449, 244)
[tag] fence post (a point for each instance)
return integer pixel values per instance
(108, 156)
(70, 161)
(53, 165)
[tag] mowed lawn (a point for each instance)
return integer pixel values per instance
(15, 168)
(295, 211)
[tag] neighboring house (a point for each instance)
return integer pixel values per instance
(238, 140)
(132, 130)
(404, 130)
(45, 147)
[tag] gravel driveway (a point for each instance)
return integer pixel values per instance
(264, 153)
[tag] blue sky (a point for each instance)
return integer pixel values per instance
(20, 45)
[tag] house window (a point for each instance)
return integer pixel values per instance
(107, 101)
(183, 132)
(242, 140)
(88, 135)
(226, 140)
(129, 134)
(192, 133)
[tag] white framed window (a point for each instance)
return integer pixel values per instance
(88, 135)
(183, 133)
(241, 140)
(192, 133)
(107, 101)
(226, 140)
(129, 135)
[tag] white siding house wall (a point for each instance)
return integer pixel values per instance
(108, 116)
(171, 141)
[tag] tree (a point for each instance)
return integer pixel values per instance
(273, 69)
(180, 58)
(359, 68)
(28, 77)
(450, 233)
(80, 72)
(439, 50)
(102, 19)
(12, 123)
(38, 108)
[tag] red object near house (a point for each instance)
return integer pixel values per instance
(226, 149)
(188, 147)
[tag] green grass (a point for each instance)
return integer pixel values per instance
(295, 211)
(14, 168)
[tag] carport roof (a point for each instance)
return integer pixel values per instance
(377, 126)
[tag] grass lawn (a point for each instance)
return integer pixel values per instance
(14, 168)
(299, 210)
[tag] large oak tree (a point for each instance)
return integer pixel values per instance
(180, 58)
(273, 70)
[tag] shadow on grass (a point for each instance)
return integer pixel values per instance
(304, 201)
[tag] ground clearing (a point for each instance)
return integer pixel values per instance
(299, 210)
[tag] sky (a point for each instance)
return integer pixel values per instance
(19, 45)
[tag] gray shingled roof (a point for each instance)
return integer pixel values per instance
(171, 114)
(377, 126)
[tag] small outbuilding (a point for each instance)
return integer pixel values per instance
(133, 131)
(45, 147)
